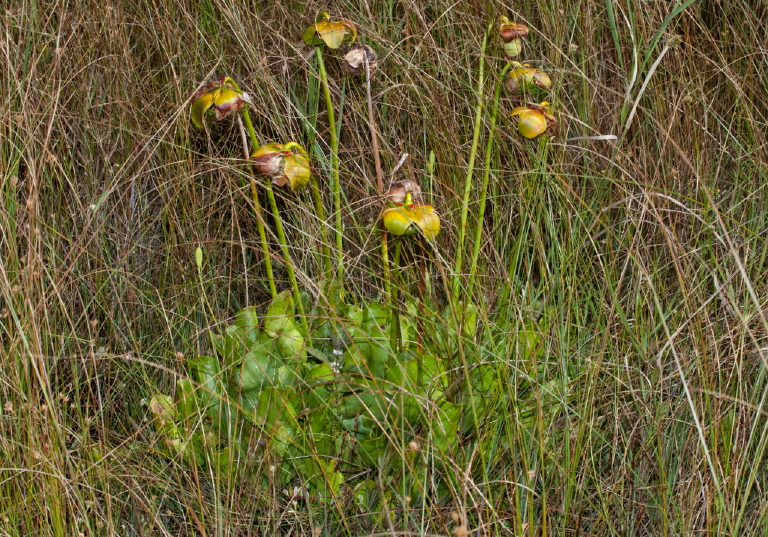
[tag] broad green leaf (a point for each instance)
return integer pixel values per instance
(187, 405)
(206, 370)
(290, 343)
(273, 407)
(258, 370)
(279, 314)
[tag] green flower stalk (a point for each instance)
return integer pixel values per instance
(470, 169)
(218, 100)
(486, 178)
(259, 217)
(286, 164)
(333, 35)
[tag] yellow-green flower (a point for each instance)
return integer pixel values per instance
(535, 119)
(409, 218)
(222, 97)
(287, 164)
(523, 77)
(511, 32)
(331, 33)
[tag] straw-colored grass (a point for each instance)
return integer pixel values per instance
(620, 283)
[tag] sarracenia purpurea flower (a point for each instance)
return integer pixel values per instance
(522, 77)
(511, 32)
(535, 119)
(221, 97)
(409, 218)
(330, 33)
(287, 164)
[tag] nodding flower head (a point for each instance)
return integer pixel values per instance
(220, 98)
(286, 164)
(330, 33)
(535, 119)
(511, 32)
(522, 77)
(410, 218)
(354, 60)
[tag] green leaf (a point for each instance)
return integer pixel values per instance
(445, 426)
(321, 372)
(273, 406)
(279, 314)
(259, 369)
(206, 370)
(187, 405)
(355, 314)
(290, 343)
(247, 318)
(161, 407)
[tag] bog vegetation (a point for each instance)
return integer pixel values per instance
(401, 268)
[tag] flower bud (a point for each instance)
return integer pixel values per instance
(511, 32)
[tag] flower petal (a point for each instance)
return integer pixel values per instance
(332, 33)
(531, 124)
(227, 101)
(427, 220)
(200, 106)
(397, 221)
(265, 149)
(297, 171)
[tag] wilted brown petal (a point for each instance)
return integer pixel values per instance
(354, 60)
(396, 194)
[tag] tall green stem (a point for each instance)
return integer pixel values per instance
(278, 227)
(486, 177)
(320, 211)
(470, 169)
(257, 205)
(334, 163)
(287, 255)
(394, 333)
(385, 265)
